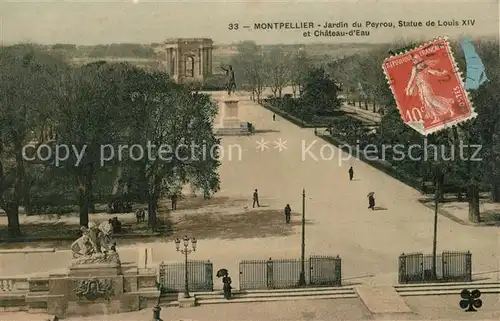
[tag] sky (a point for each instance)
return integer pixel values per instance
(99, 22)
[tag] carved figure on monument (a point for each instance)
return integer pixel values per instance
(94, 289)
(95, 246)
(83, 246)
(230, 81)
(106, 236)
(95, 236)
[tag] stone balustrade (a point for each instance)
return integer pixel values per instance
(37, 295)
(13, 284)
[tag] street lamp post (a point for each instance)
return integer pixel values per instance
(434, 239)
(302, 278)
(186, 251)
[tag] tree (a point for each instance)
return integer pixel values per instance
(481, 131)
(29, 83)
(279, 72)
(250, 68)
(176, 121)
(319, 96)
(90, 116)
(300, 68)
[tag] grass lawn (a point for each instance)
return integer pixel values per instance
(218, 217)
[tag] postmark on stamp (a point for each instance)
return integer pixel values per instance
(428, 87)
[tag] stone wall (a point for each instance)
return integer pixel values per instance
(131, 290)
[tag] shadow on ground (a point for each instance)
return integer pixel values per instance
(264, 131)
(196, 202)
(249, 224)
(218, 217)
(490, 218)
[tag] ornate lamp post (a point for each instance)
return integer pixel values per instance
(186, 251)
(302, 277)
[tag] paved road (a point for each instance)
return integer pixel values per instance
(424, 308)
(368, 241)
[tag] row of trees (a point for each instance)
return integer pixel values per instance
(99, 104)
(258, 69)
(118, 50)
(314, 91)
(364, 82)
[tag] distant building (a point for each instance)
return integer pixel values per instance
(187, 59)
(146, 64)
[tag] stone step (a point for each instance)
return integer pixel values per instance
(382, 299)
(274, 295)
(292, 290)
(446, 292)
(455, 287)
(445, 285)
(277, 298)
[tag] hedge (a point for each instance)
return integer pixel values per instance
(297, 121)
(378, 164)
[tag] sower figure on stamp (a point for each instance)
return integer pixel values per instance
(434, 106)
(351, 173)
(230, 82)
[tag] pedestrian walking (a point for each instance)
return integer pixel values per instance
(226, 281)
(256, 198)
(173, 200)
(371, 201)
(274, 117)
(351, 173)
(288, 213)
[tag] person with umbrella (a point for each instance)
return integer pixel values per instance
(371, 201)
(226, 281)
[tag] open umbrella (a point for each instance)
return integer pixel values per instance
(370, 194)
(222, 272)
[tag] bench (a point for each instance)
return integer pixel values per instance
(127, 228)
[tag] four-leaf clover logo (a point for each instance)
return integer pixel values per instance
(470, 300)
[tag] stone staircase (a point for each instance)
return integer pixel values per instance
(366, 116)
(365, 293)
(446, 288)
(169, 300)
(238, 131)
(217, 297)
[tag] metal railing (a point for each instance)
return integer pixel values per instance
(285, 273)
(451, 266)
(200, 276)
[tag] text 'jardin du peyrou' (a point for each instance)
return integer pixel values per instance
(349, 29)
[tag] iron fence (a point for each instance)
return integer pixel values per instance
(200, 276)
(451, 266)
(285, 273)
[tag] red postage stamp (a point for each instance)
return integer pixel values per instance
(428, 87)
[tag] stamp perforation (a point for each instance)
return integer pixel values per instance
(456, 71)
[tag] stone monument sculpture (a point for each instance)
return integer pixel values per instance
(230, 80)
(96, 282)
(95, 246)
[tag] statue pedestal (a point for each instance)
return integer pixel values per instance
(96, 265)
(95, 284)
(230, 117)
(97, 269)
(230, 123)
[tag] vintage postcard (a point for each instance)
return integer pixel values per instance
(249, 160)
